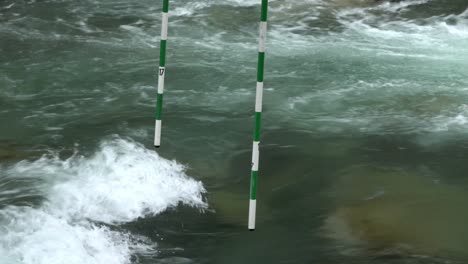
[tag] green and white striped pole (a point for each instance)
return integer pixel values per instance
(258, 115)
(161, 73)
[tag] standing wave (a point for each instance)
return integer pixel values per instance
(86, 198)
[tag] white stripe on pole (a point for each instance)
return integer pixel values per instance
(161, 75)
(157, 138)
(262, 38)
(252, 209)
(164, 26)
(255, 155)
(259, 97)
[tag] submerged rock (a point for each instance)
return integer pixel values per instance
(232, 208)
(10, 151)
(390, 211)
(282, 175)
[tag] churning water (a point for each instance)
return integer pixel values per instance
(364, 135)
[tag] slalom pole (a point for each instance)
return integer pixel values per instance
(258, 115)
(161, 73)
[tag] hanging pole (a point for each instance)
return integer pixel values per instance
(258, 115)
(161, 73)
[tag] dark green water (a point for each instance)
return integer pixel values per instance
(365, 112)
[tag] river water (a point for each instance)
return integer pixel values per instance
(365, 115)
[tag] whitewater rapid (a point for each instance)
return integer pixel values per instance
(384, 76)
(85, 200)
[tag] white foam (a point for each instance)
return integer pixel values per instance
(432, 31)
(189, 9)
(399, 6)
(121, 182)
(8, 6)
(35, 236)
(451, 121)
(434, 37)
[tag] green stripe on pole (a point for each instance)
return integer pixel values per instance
(162, 53)
(253, 185)
(258, 123)
(159, 103)
(264, 15)
(260, 66)
(165, 6)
